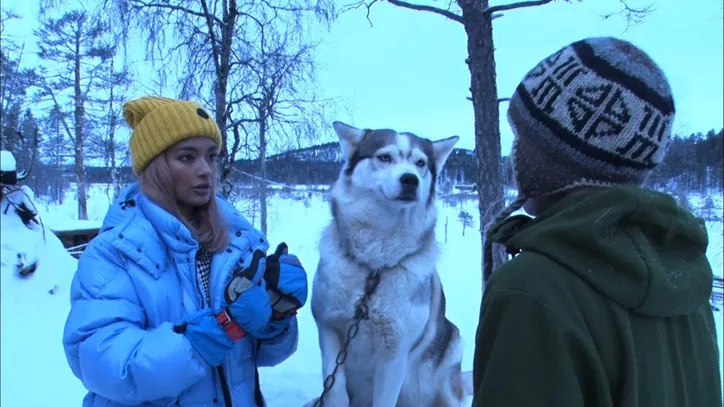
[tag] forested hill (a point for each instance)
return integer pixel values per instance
(321, 164)
(692, 163)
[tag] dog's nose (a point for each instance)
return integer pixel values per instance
(409, 180)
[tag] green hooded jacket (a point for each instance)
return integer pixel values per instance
(606, 305)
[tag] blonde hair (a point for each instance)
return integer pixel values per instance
(156, 182)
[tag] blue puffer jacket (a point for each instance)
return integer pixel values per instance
(134, 282)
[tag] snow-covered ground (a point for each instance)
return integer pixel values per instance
(35, 371)
(32, 319)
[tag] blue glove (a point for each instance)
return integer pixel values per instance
(274, 328)
(246, 298)
(206, 336)
(212, 333)
(286, 282)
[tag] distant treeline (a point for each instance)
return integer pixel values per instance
(693, 163)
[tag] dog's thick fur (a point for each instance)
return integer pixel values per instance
(407, 354)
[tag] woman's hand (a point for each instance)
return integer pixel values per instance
(213, 332)
(286, 282)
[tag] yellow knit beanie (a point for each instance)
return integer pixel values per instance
(159, 122)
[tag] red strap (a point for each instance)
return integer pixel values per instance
(231, 327)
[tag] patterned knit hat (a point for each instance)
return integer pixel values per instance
(598, 112)
(159, 122)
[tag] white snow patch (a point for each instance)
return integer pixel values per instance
(67, 225)
(36, 372)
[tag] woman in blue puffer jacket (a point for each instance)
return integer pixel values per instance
(175, 302)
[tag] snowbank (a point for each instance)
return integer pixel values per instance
(25, 245)
(33, 318)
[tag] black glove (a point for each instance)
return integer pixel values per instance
(286, 282)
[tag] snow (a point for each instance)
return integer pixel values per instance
(32, 319)
(20, 245)
(67, 225)
(7, 161)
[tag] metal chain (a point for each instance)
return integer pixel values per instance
(362, 311)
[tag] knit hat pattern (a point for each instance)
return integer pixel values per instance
(597, 112)
(160, 122)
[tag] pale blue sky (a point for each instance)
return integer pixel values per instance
(407, 71)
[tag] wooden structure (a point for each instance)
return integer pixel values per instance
(466, 187)
(75, 240)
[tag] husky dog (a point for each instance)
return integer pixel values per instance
(407, 353)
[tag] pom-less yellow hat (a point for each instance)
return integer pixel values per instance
(159, 122)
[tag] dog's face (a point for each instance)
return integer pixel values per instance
(400, 168)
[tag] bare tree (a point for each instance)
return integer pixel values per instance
(210, 44)
(57, 150)
(108, 102)
(7, 15)
(74, 43)
(27, 155)
(476, 17)
(115, 80)
(466, 219)
(11, 118)
(14, 85)
(283, 106)
(8, 67)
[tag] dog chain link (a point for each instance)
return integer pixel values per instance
(362, 311)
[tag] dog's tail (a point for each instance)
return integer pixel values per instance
(468, 382)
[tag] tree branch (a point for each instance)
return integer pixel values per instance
(142, 4)
(631, 14)
(512, 6)
(50, 92)
(214, 45)
(238, 122)
(418, 7)
(403, 4)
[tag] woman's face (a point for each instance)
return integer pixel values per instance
(193, 169)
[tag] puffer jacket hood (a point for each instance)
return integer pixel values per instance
(635, 246)
(122, 207)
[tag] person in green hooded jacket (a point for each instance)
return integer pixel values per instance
(606, 300)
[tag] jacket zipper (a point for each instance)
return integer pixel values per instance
(206, 302)
(259, 398)
(224, 386)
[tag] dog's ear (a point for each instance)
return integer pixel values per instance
(349, 138)
(442, 149)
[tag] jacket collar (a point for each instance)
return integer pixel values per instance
(172, 232)
(150, 235)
